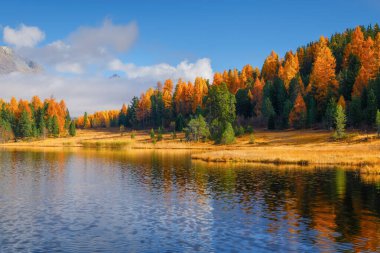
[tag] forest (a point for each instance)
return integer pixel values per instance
(332, 83)
(35, 119)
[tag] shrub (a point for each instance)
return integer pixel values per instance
(228, 135)
(159, 134)
(174, 135)
(197, 129)
(152, 134)
(251, 139)
(249, 129)
(133, 134)
(239, 130)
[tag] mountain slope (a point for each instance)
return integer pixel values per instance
(11, 62)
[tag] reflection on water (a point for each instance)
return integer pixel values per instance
(141, 201)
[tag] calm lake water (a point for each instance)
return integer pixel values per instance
(146, 201)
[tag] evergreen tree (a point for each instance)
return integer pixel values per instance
(67, 119)
(25, 125)
(221, 110)
(72, 129)
(285, 113)
(197, 129)
(330, 114)
(348, 76)
(378, 123)
(179, 123)
(228, 135)
(157, 109)
(268, 112)
(243, 104)
(132, 113)
(371, 108)
(311, 115)
(86, 122)
(340, 123)
(55, 127)
(355, 112)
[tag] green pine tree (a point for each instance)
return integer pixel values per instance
(72, 128)
(378, 123)
(340, 123)
(371, 107)
(25, 125)
(55, 127)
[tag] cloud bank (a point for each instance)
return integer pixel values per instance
(184, 70)
(23, 36)
(84, 47)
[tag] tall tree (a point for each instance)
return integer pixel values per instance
(322, 79)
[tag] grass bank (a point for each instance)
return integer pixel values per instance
(293, 147)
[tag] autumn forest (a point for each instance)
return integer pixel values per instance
(330, 83)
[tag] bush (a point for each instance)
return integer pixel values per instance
(152, 134)
(228, 135)
(239, 130)
(197, 129)
(121, 129)
(133, 134)
(249, 129)
(174, 135)
(251, 139)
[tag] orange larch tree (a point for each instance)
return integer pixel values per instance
(270, 67)
(200, 90)
(297, 116)
(167, 93)
(322, 79)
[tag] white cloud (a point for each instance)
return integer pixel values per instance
(185, 70)
(23, 36)
(73, 68)
(86, 46)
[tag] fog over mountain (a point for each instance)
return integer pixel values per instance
(12, 62)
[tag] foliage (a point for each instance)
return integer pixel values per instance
(197, 129)
(378, 122)
(228, 135)
(72, 129)
(340, 123)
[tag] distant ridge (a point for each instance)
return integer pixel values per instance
(11, 62)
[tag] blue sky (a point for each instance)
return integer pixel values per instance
(230, 33)
(80, 44)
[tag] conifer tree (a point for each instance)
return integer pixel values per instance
(25, 125)
(340, 123)
(55, 126)
(72, 129)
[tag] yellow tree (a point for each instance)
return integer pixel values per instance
(188, 97)
(342, 102)
(270, 67)
(218, 78)
(322, 78)
(144, 106)
(246, 74)
(290, 69)
(36, 103)
(167, 95)
(179, 96)
(200, 90)
(257, 96)
(297, 116)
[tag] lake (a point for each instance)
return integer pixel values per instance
(161, 201)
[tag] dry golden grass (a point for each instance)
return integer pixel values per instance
(307, 147)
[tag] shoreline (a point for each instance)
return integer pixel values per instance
(291, 147)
